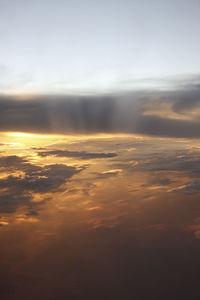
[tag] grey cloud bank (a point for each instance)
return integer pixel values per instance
(173, 113)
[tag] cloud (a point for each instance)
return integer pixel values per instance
(47, 179)
(158, 180)
(18, 163)
(19, 190)
(172, 113)
(183, 161)
(78, 154)
(107, 174)
(10, 201)
(192, 187)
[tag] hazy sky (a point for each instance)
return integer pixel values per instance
(63, 45)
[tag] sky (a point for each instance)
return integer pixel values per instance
(99, 149)
(96, 46)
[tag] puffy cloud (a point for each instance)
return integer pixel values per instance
(45, 179)
(19, 190)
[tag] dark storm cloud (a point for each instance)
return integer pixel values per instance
(173, 113)
(54, 114)
(77, 154)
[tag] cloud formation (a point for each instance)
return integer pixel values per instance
(77, 154)
(192, 187)
(19, 189)
(173, 113)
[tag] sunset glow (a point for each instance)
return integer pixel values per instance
(99, 150)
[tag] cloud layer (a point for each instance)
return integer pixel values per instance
(173, 113)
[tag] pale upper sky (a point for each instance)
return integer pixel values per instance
(65, 46)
